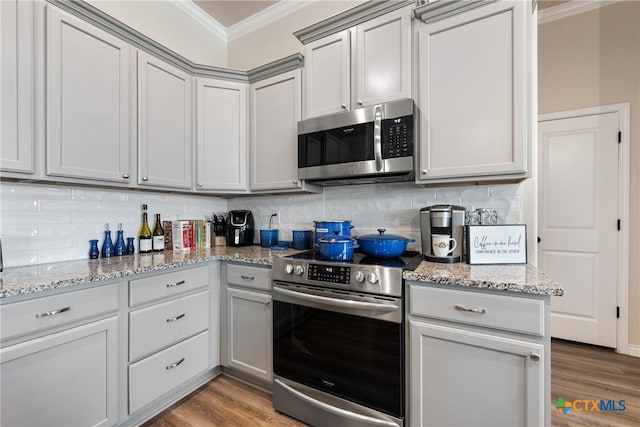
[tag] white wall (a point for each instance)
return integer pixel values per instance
(42, 223)
(394, 207)
(276, 40)
(170, 26)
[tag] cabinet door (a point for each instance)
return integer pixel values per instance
(383, 59)
(274, 132)
(473, 93)
(88, 93)
(164, 124)
(69, 378)
(221, 145)
(497, 381)
(16, 86)
(328, 74)
(249, 342)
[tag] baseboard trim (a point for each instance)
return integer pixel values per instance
(634, 350)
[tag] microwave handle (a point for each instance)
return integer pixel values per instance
(377, 137)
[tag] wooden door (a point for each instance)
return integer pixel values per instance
(473, 71)
(456, 374)
(16, 86)
(249, 334)
(164, 124)
(276, 107)
(328, 75)
(88, 114)
(221, 139)
(383, 59)
(578, 214)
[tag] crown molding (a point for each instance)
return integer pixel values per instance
(432, 12)
(265, 17)
(202, 18)
(571, 8)
(274, 68)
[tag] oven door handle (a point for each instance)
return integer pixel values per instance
(337, 411)
(342, 303)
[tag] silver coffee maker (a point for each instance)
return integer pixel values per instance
(442, 219)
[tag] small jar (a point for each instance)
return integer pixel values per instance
(93, 249)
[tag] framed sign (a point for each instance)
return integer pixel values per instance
(496, 244)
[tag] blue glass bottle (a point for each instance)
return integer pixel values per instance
(108, 250)
(131, 249)
(120, 248)
(93, 249)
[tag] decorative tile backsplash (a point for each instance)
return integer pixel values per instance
(42, 223)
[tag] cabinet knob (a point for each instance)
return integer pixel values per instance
(344, 106)
(295, 181)
(199, 184)
(125, 176)
(145, 178)
(534, 356)
(360, 103)
(424, 172)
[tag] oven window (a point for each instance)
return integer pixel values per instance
(356, 358)
(343, 145)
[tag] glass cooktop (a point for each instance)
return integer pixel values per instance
(407, 261)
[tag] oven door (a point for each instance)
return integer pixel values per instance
(341, 345)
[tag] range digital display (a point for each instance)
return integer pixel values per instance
(329, 273)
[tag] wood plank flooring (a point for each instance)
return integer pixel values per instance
(578, 372)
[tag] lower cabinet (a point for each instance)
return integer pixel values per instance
(68, 378)
(468, 368)
(248, 342)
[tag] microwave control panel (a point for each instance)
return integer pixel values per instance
(397, 137)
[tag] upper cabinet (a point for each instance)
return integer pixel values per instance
(475, 79)
(276, 110)
(88, 101)
(364, 65)
(16, 86)
(164, 124)
(221, 135)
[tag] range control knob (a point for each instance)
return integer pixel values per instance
(288, 268)
(298, 270)
(359, 276)
(372, 278)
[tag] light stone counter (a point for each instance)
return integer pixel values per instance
(43, 277)
(514, 278)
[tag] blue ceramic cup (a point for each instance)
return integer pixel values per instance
(268, 238)
(301, 239)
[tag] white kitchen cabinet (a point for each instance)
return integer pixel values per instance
(276, 110)
(247, 336)
(479, 351)
(88, 93)
(221, 136)
(164, 124)
(475, 72)
(365, 65)
(17, 87)
(60, 359)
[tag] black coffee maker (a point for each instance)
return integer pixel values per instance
(240, 228)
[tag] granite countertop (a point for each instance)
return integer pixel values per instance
(43, 277)
(515, 278)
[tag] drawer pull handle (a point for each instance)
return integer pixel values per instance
(52, 312)
(460, 307)
(173, 365)
(534, 356)
(173, 285)
(173, 319)
(245, 277)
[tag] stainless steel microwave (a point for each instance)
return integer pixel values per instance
(370, 144)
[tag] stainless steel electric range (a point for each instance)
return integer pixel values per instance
(338, 339)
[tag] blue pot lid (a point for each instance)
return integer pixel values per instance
(383, 237)
(335, 238)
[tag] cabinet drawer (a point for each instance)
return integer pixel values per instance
(41, 313)
(157, 375)
(167, 285)
(162, 325)
(250, 277)
(493, 311)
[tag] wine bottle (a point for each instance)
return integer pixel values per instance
(158, 235)
(144, 237)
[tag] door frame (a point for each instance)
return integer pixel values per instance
(623, 110)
